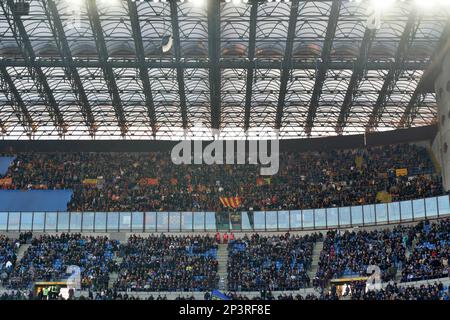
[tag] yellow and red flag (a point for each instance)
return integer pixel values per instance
(230, 202)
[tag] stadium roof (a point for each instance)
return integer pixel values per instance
(295, 68)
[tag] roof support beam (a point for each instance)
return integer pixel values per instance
(14, 97)
(213, 7)
(394, 72)
(108, 72)
(143, 71)
(287, 61)
(358, 72)
(419, 94)
(225, 64)
(21, 37)
(250, 69)
(322, 71)
(70, 70)
(178, 65)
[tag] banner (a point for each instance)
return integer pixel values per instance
(149, 181)
(359, 162)
(6, 182)
(401, 172)
(90, 182)
(231, 202)
(384, 197)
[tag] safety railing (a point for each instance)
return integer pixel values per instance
(309, 219)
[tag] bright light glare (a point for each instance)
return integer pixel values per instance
(382, 4)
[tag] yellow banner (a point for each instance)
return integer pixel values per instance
(384, 197)
(401, 172)
(90, 181)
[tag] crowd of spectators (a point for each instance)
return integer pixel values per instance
(49, 258)
(8, 256)
(151, 182)
(168, 263)
(270, 263)
(429, 259)
(351, 253)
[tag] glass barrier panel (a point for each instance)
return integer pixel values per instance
(381, 211)
(246, 225)
(199, 221)
(63, 221)
(210, 218)
(344, 216)
(419, 208)
(39, 221)
(162, 222)
(186, 221)
(357, 215)
(100, 222)
(394, 211)
(112, 221)
(137, 222)
(296, 219)
(369, 214)
(150, 221)
(271, 220)
(174, 221)
(431, 207)
(332, 217)
(26, 221)
(283, 220)
(259, 220)
(308, 218)
(444, 205)
(320, 220)
(406, 210)
(50, 221)
(125, 221)
(14, 221)
(3, 221)
(88, 221)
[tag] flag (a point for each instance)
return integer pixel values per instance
(6, 182)
(359, 162)
(90, 182)
(401, 172)
(384, 197)
(230, 202)
(262, 181)
(217, 295)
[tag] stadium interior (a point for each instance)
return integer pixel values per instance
(136, 139)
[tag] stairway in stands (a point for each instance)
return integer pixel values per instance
(114, 275)
(20, 253)
(315, 260)
(222, 258)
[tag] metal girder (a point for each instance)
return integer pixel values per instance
(394, 71)
(251, 57)
(14, 97)
(287, 60)
(213, 7)
(143, 71)
(70, 70)
(419, 94)
(358, 72)
(224, 64)
(108, 72)
(322, 71)
(21, 37)
(178, 65)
